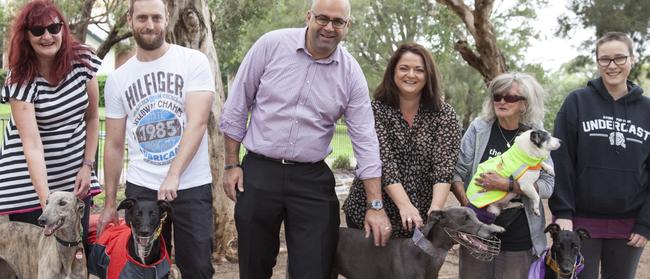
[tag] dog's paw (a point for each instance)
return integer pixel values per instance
(536, 211)
(496, 229)
(514, 205)
(550, 172)
(494, 209)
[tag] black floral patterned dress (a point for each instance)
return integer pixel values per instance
(417, 157)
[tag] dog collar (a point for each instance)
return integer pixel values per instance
(577, 266)
(421, 242)
(67, 243)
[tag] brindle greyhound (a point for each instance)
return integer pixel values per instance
(357, 257)
(32, 252)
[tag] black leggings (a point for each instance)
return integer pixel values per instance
(614, 256)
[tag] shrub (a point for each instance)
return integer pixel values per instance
(101, 80)
(341, 162)
(3, 76)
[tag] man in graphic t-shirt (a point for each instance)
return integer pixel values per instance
(159, 100)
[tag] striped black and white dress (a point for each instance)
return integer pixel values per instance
(60, 114)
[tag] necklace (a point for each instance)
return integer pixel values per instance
(504, 137)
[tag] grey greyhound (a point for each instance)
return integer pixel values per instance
(54, 251)
(357, 257)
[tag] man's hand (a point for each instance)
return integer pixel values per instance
(167, 191)
(637, 240)
(377, 222)
(108, 215)
(232, 178)
(565, 224)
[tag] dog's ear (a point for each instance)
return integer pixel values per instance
(126, 204)
(433, 218)
(538, 137)
(553, 229)
(583, 234)
(165, 208)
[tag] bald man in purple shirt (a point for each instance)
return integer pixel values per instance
(295, 84)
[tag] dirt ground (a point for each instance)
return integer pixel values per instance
(449, 269)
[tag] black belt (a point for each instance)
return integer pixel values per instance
(281, 161)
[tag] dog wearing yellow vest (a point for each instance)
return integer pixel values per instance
(521, 162)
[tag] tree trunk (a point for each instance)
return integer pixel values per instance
(189, 26)
(489, 60)
(79, 29)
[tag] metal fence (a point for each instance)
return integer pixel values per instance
(341, 146)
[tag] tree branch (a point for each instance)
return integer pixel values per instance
(463, 11)
(113, 37)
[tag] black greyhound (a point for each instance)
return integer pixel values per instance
(141, 241)
(357, 257)
(563, 259)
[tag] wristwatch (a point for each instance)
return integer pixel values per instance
(375, 205)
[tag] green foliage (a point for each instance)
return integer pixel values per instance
(3, 76)
(101, 80)
(628, 16)
(569, 77)
(341, 162)
(237, 24)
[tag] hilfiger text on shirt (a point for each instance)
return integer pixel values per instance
(151, 83)
(156, 104)
(618, 131)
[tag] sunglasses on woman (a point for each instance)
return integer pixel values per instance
(53, 29)
(508, 98)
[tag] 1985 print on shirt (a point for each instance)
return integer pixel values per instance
(156, 101)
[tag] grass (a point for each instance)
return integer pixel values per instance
(5, 110)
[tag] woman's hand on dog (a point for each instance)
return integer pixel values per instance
(492, 181)
(565, 224)
(637, 240)
(410, 217)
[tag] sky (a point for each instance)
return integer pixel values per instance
(549, 50)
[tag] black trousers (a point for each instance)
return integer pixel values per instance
(192, 224)
(301, 195)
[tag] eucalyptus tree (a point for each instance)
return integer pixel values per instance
(601, 16)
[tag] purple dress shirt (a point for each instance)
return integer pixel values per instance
(294, 102)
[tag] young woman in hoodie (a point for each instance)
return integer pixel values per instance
(602, 168)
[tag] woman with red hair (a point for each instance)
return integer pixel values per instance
(51, 139)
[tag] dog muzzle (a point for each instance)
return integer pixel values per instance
(482, 249)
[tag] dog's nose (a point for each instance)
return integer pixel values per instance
(41, 221)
